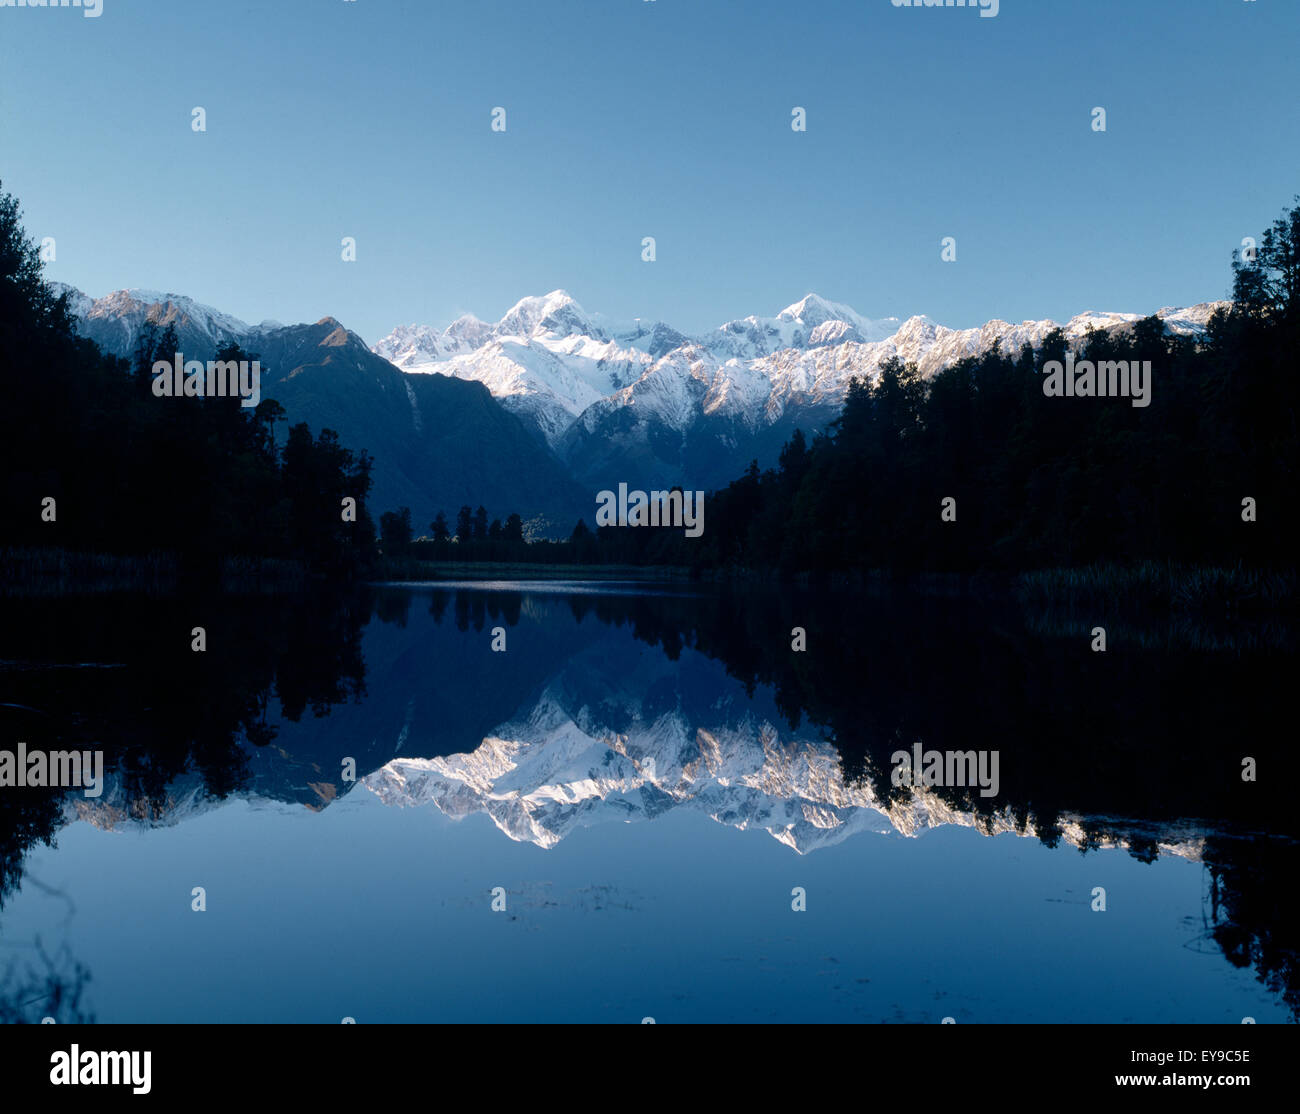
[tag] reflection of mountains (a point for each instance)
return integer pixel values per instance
(592, 687)
(609, 707)
(559, 730)
(593, 749)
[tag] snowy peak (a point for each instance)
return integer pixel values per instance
(549, 320)
(162, 309)
(555, 314)
(573, 375)
(548, 317)
(468, 330)
(1189, 321)
(115, 320)
(411, 344)
(811, 322)
(813, 310)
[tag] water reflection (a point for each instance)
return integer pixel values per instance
(610, 704)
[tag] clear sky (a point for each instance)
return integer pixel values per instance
(663, 118)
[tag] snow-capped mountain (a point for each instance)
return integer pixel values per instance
(546, 359)
(695, 410)
(550, 360)
(812, 322)
(115, 320)
(640, 402)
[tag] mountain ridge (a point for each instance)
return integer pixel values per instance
(696, 409)
(602, 402)
(437, 443)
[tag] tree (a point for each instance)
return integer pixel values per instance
(23, 292)
(464, 525)
(439, 528)
(794, 460)
(395, 531)
(169, 344)
(514, 531)
(146, 351)
(495, 530)
(266, 415)
(1269, 284)
(480, 524)
(583, 543)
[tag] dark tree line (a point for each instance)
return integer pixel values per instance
(474, 538)
(132, 473)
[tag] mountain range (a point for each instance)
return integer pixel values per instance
(540, 410)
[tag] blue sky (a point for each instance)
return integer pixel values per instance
(663, 118)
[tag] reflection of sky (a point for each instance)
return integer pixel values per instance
(383, 914)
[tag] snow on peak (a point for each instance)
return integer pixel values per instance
(168, 306)
(819, 315)
(468, 327)
(812, 310)
(410, 344)
(811, 322)
(1190, 320)
(556, 313)
(114, 320)
(553, 363)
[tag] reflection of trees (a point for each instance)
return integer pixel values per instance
(392, 605)
(322, 664)
(438, 604)
(162, 712)
(1251, 914)
(36, 984)
(52, 986)
(26, 819)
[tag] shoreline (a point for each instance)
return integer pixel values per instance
(1145, 589)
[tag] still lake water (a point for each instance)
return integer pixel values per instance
(651, 779)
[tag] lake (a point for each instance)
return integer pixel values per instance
(606, 802)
